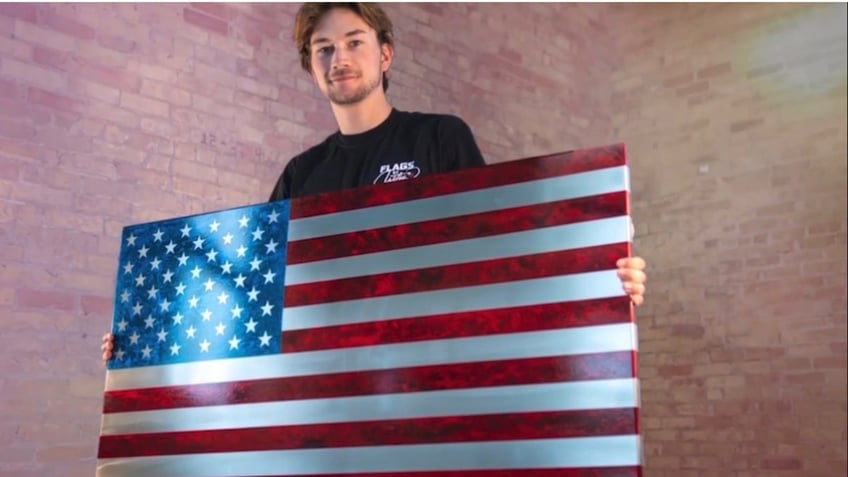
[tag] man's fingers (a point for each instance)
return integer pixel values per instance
(628, 275)
(634, 288)
(631, 262)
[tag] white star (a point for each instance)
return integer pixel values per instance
(122, 325)
(251, 325)
(148, 322)
(139, 280)
(191, 331)
(225, 268)
(222, 298)
(157, 236)
(265, 339)
(152, 291)
(204, 346)
(219, 330)
(254, 264)
(243, 221)
(134, 338)
(166, 277)
(269, 276)
(273, 217)
(170, 247)
(165, 305)
(162, 334)
(271, 246)
(234, 342)
(209, 284)
(185, 230)
(154, 265)
(137, 309)
(183, 259)
(119, 354)
(252, 294)
(128, 268)
(146, 352)
(198, 244)
(240, 280)
(180, 288)
(125, 296)
(178, 319)
(266, 308)
(192, 302)
(228, 239)
(131, 240)
(175, 349)
(195, 272)
(210, 255)
(207, 315)
(142, 252)
(257, 234)
(213, 227)
(236, 311)
(241, 251)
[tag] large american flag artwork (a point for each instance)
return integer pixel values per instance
(455, 325)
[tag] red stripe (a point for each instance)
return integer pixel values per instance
(602, 257)
(492, 427)
(400, 380)
(458, 325)
(483, 224)
(511, 172)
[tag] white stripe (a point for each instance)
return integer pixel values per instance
(579, 286)
(566, 396)
(552, 189)
(574, 452)
(570, 341)
(548, 239)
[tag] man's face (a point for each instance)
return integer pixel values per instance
(348, 62)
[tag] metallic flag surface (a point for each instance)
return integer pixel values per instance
(455, 325)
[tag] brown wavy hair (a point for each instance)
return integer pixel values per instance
(310, 14)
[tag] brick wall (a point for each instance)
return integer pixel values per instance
(112, 114)
(735, 117)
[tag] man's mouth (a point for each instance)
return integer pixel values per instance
(342, 78)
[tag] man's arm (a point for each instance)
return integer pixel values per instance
(457, 147)
(282, 189)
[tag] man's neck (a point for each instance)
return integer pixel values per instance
(362, 116)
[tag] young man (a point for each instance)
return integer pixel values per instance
(348, 49)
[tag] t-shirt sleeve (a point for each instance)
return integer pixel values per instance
(282, 189)
(457, 147)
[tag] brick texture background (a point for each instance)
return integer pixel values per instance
(735, 120)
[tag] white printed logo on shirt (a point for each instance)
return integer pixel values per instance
(399, 171)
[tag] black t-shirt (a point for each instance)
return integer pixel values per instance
(404, 146)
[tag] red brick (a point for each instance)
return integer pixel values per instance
(205, 21)
(23, 11)
(778, 463)
(66, 25)
(109, 76)
(45, 299)
(54, 101)
(746, 124)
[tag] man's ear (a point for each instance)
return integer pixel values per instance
(387, 53)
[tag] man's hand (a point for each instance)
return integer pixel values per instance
(632, 275)
(106, 347)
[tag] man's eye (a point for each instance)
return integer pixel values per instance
(323, 50)
(355, 42)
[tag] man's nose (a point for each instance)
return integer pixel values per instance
(340, 57)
